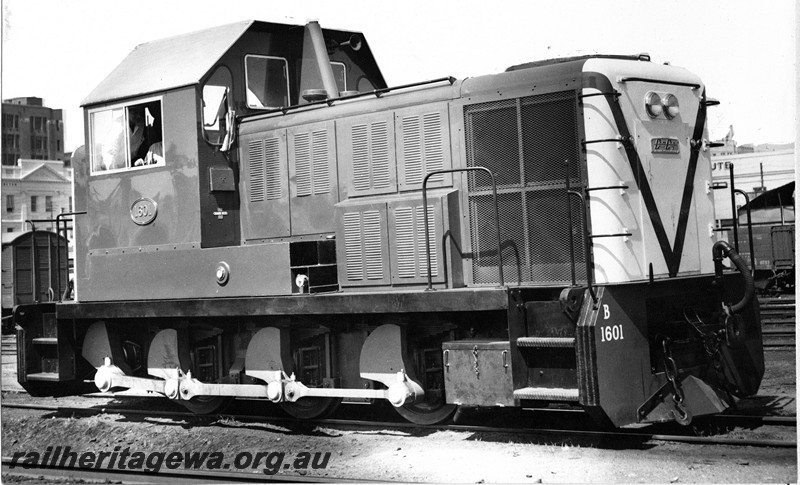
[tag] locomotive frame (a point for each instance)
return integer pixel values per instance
(291, 238)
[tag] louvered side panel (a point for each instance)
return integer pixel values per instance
(362, 252)
(273, 168)
(407, 240)
(265, 194)
(313, 182)
(320, 163)
(373, 245)
(303, 165)
(256, 172)
(424, 146)
(361, 159)
(366, 155)
(412, 151)
(422, 261)
(380, 156)
(354, 252)
(405, 245)
(433, 144)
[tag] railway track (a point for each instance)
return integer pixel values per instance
(778, 320)
(641, 435)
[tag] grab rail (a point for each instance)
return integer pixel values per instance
(496, 218)
(59, 219)
(586, 237)
(749, 228)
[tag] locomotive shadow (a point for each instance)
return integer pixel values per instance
(766, 405)
(199, 421)
(552, 439)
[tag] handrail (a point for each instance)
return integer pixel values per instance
(618, 139)
(618, 234)
(606, 187)
(375, 92)
(615, 95)
(586, 239)
(35, 251)
(749, 228)
(59, 220)
(734, 212)
(496, 218)
(624, 80)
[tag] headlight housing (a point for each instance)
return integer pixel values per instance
(671, 107)
(652, 103)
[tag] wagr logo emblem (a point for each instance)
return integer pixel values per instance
(665, 145)
(144, 211)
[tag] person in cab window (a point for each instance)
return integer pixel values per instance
(143, 152)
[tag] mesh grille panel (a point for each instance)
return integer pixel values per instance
(525, 142)
(493, 142)
(546, 120)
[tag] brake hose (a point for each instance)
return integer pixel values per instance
(722, 250)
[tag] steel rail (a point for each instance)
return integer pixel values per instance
(562, 433)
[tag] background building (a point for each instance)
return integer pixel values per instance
(31, 131)
(756, 169)
(35, 189)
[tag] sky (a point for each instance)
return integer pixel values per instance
(744, 51)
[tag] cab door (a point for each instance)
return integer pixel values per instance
(219, 168)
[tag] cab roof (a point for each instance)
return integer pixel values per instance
(167, 63)
(176, 61)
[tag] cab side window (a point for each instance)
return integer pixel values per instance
(216, 92)
(126, 137)
(340, 75)
(267, 81)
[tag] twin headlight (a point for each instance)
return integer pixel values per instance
(657, 104)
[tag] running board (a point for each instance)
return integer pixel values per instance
(546, 394)
(546, 342)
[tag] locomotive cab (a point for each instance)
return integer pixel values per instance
(162, 177)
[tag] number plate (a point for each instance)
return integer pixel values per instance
(144, 211)
(665, 145)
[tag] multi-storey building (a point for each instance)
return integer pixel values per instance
(31, 131)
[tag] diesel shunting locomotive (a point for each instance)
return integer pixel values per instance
(266, 218)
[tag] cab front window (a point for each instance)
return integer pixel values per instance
(267, 81)
(126, 137)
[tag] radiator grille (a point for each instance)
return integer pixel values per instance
(525, 142)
